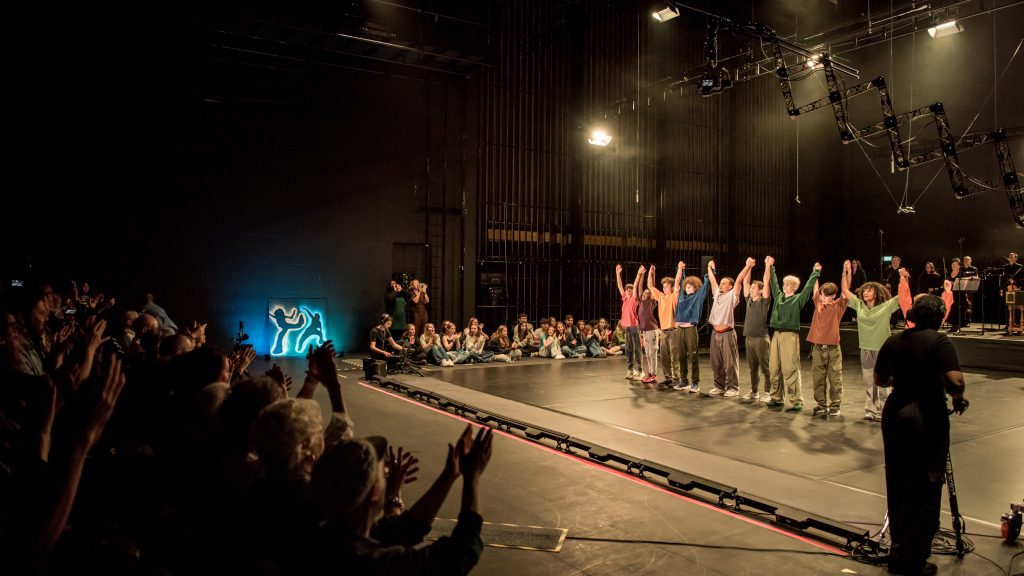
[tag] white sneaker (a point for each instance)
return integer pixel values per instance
(766, 397)
(715, 391)
(751, 396)
(731, 393)
(447, 362)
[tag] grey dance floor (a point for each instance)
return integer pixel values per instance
(618, 525)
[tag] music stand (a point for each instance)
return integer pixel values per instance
(961, 287)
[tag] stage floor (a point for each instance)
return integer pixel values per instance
(617, 524)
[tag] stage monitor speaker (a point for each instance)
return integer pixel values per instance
(1015, 298)
(374, 369)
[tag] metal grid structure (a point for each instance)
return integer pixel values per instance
(685, 177)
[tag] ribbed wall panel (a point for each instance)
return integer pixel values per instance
(685, 176)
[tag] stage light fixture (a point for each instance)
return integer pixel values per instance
(665, 14)
(599, 138)
(945, 29)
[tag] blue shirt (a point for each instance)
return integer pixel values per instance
(689, 307)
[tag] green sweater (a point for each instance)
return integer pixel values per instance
(786, 311)
(873, 323)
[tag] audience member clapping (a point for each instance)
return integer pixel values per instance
(350, 485)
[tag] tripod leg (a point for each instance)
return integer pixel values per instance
(954, 508)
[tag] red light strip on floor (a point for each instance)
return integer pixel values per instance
(630, 477)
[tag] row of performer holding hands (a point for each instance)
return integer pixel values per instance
(661, 332)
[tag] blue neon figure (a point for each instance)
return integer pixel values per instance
(315, 329)
(283, 327)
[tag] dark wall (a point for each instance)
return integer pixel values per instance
(219, 184)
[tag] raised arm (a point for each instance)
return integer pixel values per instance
(680, 268)
(769, 264)
(746, 286)
(905, 298)
(711, 276)
(744, 278)
(618, 278)
(766, 289)
(947, 299)
(845, 284)
(636, 283)
(651, 281)
(805, 294)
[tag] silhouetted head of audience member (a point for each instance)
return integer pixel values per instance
(348, 483)
(241, 408)
(175, 345)
(288, 437)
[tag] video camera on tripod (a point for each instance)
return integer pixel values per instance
(1011, 523)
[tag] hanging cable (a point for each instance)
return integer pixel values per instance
(796, 29)
(973, 120)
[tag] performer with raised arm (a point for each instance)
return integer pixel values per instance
(691, 299)
(826, 352)
(630, 322)
(784, 357)
(874, 305)
(725, 352)
(669, 344)
(755, 332)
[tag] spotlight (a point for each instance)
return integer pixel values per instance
(813, 62)
(945, 29)
(665, 14)
(599, 138)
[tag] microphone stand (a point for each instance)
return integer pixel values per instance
(881, 256)
(961, 298)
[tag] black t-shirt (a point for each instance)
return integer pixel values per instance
(916, 360)
(891, 276)
(380, 336)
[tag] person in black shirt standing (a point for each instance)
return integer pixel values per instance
(921, 366)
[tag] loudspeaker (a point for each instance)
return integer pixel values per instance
(374, 369)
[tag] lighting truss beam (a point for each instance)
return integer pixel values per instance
(1010, 178)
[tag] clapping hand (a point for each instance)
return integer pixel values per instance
(241, 360)
(321, 360)
(401, 469)
(277, 375)
(475, 461)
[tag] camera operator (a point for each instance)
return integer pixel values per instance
(921, 366)
(382, 345)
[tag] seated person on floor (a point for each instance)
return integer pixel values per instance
(382, 345)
